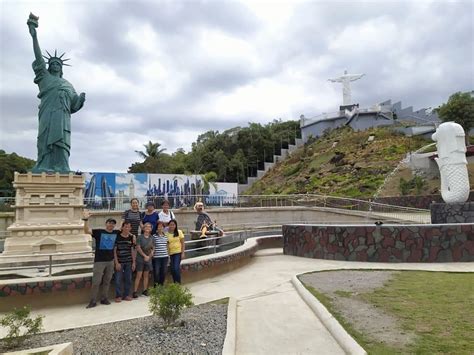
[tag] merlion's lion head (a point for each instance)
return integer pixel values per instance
(450, 142)
(452, 162)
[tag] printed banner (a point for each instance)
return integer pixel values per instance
(115, 191)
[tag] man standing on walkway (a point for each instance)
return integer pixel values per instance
(103, 259)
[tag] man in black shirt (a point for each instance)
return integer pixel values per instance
(103, 259)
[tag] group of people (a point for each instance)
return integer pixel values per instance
(121, 252)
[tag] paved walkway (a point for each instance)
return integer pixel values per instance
(271, 318)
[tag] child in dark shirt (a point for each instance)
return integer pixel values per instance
(124, 258)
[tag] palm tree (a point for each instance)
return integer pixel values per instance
(152, 150)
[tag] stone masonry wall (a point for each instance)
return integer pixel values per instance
(452, 213)
(415, 201)
(386, 243)
(190, 270)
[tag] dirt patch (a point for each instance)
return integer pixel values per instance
(343, 288)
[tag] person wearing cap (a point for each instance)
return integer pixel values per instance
(204, 221)
(103, 268)
(149, 216)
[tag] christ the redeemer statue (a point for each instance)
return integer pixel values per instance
(346, 86)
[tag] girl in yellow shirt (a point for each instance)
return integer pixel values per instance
(176, 249)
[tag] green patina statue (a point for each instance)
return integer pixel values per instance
(58, 101)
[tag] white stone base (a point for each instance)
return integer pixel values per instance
(48, 211)
(47, 245)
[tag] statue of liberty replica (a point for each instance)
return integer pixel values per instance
(58, 101)
(49, 200)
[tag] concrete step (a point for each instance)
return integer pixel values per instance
(260, 173)
(242, 187)
(284, 153)
(299, 142)
(268, 166)
(251, 180)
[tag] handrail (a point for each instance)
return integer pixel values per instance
(252, 200)
(49, 263)
(48, 254)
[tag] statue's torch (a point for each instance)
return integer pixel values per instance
(32, 20)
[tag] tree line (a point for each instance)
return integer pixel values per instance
(232, 155)
(9, 163)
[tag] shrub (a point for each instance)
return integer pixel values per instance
(292, 169)
(404, 186)
(168, 301)
(17, 320)
(417, 183)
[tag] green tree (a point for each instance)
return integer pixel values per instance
(460, 109)
(9, 163)
(152, 150)
(209, 179)
(155, 160)
(179, 162)
(221, 165)
(227, 154)
(238, 167)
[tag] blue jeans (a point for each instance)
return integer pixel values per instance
(176, 267)
(124, 274)
(160, 265)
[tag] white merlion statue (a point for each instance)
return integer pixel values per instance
(452, 163)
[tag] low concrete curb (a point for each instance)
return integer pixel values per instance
(347, 343)
(230, 336)
(58, 349)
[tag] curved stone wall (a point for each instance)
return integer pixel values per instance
(76, 287)
(385, 243)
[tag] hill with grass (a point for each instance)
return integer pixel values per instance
(341, 163)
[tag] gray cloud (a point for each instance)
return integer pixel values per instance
(417, 53)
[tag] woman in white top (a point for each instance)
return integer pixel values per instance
(166, 215)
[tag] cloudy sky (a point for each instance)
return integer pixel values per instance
(167, 71)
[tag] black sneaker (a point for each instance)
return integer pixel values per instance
(135, 295)
(91, 304)
(145, 293)
(105, 301)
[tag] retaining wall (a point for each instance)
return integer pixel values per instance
(45, 291)
(386, 243)
(238, 216)
(452, 213)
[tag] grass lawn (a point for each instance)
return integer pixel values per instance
(437, 307)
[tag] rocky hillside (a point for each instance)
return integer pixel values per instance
(341, 163)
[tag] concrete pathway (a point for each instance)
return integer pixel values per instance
(278, 321)
(271, 318)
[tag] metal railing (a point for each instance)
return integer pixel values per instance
(43, 266)
(197, 248)
(306, 200)
(6, 204)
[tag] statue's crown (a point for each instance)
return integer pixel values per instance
(51, 58)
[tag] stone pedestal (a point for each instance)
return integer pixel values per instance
(48, 211)
(452, 213)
